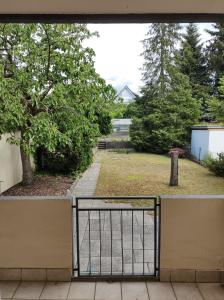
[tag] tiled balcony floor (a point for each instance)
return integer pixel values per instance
(111, 291)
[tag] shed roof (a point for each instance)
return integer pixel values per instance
(207, 127)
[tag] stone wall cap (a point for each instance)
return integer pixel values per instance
(3, 198)
(204, 197)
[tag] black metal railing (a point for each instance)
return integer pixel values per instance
(116, 239)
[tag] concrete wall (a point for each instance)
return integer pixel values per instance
(216, 142)
(10, 164)
(112, 6)
(192, 238)
(200, 144)
(207, 141)
(35, 238)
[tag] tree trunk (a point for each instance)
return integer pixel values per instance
(27, 168)
(174, 169)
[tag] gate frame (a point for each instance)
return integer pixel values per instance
(156, 208)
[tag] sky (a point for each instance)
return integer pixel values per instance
(118, 52)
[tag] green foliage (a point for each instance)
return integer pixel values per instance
(216, 165)
(216, 105)
(123, 111)
(159, 55)
(49, 89)
(118, 109)
(168, 120)
(215, 52)
(64, 160)
(104, 121)
(167, 109)
(193, 64)
(131, 110)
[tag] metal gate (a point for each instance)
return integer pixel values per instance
(116, 240)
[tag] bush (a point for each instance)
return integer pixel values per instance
(64, 160)
(104, 123)
(216, 165)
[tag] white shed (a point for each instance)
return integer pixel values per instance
(207, 140)
(121, 124)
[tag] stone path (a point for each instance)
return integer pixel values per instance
(111, 241)
(110, 291)
(87, 184)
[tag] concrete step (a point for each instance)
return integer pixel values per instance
(102, 145)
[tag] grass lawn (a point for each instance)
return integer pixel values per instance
(148, 174)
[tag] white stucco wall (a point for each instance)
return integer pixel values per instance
(200, 143)
(207, 142)
(216, 142)
(10, 164)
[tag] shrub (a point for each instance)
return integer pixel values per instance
(64, 160)
(216, 165)
(104, 123)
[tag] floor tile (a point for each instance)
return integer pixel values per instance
(134, 290)
(55, 290)
(108, 291)
(29, 290)
(7, 289)
(187, 291)
(160, 291)
(82, 290)
(211, 291)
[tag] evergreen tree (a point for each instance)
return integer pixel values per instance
(216, 104)
(193, 64)
(159, 53)
(167, 109)
(215, 51)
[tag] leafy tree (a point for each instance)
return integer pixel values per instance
(104, 121)
(118, 109)
(49, 90)
(131, 110)
(215, 51)
(167, 108)
(193, 64)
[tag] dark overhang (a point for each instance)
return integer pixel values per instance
(110, 18)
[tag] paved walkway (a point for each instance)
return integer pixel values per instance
(86, 185)
(111, 242)
(110, 291)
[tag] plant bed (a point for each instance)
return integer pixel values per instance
(42, 185)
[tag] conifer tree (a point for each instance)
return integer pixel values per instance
(193, 64)
(159, 54)
(167, 109)
(215, 51)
